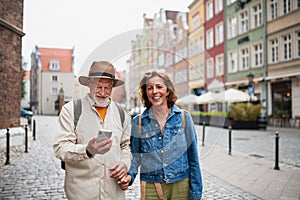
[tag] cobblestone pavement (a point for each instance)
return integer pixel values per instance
(257, 143)
(37, 174)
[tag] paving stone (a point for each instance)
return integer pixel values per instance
(37, 174)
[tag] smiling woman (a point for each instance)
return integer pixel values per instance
(163, 144)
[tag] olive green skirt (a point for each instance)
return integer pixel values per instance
(165, 191)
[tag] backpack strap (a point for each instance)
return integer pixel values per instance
(77, 111)
(183, 118)
(122, 113)
(140, 125)
(77, 107)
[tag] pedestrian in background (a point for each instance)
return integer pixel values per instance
(92, 166)
(163, 144)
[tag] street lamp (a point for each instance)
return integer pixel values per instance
(250, 78)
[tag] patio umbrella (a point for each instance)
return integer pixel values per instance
(234, 95)
(209, 97)
(188, 99)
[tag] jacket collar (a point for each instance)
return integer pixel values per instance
(174, 109)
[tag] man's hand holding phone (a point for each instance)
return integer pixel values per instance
(104, 134)
(100, 144)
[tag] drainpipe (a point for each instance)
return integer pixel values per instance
(265, 73)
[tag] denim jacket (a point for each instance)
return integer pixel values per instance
(168, 157)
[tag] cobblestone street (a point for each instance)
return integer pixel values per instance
(37, 174)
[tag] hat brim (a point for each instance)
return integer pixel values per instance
(84, 80)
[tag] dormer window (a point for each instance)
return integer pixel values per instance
(54, 65)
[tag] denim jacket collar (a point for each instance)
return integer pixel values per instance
(148, 114)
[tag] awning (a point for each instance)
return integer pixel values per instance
(243, 82)
(283, 76)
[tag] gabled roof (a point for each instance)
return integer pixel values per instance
(171, 15)
(64, 56)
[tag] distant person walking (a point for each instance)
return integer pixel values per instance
(94, 166)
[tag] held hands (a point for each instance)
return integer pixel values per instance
(118, 170)
(124, 182)
(96, 147)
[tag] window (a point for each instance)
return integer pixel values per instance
(232, 67)
(210, 68)
(209, 10)
(244, 59)
(287, 47)
(179, 36)
(196, 21)
(219, 34)
(230, 2)
(219, 65)
(286, 6)
(169, 59)
(161, 40)
(232, 27)
(161, 59)
(178, 56)
(281, 96)
(298, 44)
(244, 22)
(181, 54)
(210, 38)
(54, 91)
(201, 44)
(54, 78)
(185, 52)
(54, 65)
(274, 50)
(191, 47)
(258, 55)
(218, 6)
(257, 15)
(195, 73)
(195, 47)
(273, 8)
(202, 70)
(181, 76)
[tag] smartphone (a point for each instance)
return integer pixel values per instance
(104, 134)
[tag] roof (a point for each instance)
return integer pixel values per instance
(172, 15)
(64, 56)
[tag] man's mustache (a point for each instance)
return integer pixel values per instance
(100, 96)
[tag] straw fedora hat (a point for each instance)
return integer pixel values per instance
(101, 69)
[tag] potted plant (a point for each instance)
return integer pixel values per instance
(244, 115)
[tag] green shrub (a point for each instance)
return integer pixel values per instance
(245, 111)
(221, 114)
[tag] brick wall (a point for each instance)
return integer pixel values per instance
(11, 24)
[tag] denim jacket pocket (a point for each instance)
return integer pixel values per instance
(178, 151)
(149, 141)
(178, 136)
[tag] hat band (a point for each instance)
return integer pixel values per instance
(102, 74)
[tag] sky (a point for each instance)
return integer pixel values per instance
(91, 27)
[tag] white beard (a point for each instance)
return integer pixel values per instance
(101, 104)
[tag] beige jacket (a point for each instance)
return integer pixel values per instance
(88, 178)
